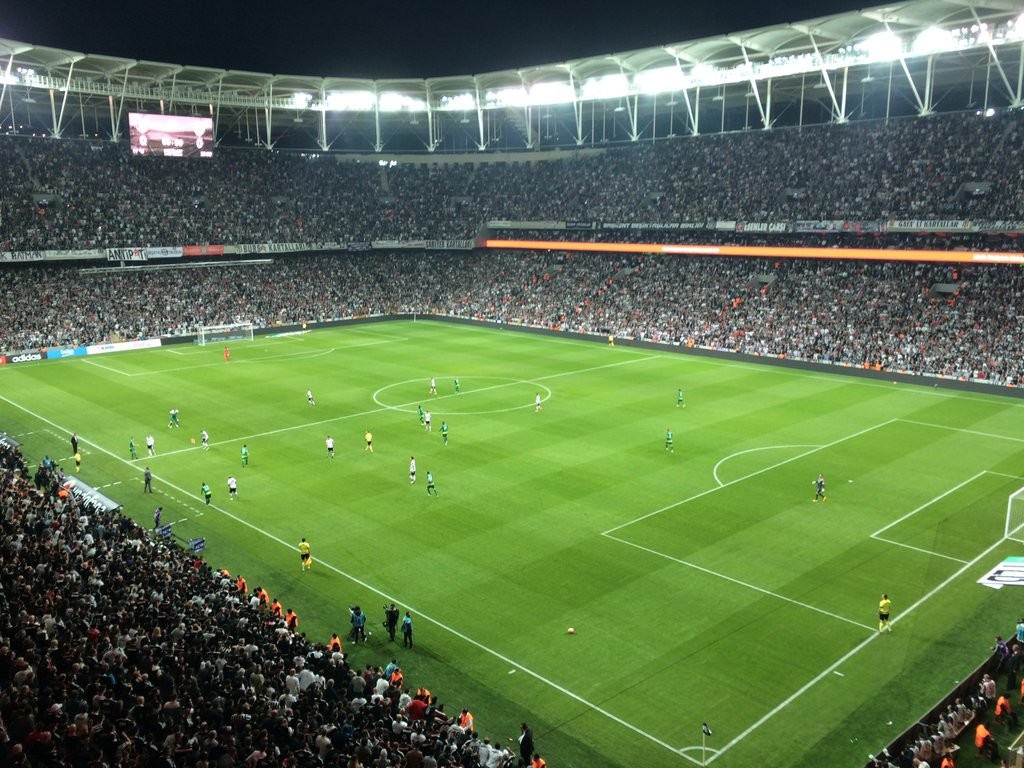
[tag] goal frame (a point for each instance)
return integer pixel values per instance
(1015, 516)
(207, 334)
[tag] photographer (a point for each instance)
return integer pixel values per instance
(391, 620)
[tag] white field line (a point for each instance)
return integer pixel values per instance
(911, 513)
(928, 503)
(917, 549)
(714, 472)
(961, 429)
(761, 471)
(741, 583)
(87, 361)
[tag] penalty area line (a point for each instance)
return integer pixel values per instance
(769, 468)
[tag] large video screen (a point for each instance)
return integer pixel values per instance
(170, 135)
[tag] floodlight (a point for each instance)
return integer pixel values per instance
(883, 46)
(604, 87)
(350, 101)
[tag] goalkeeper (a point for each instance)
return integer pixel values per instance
(819, 488)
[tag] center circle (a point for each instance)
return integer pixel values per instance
(470, 391)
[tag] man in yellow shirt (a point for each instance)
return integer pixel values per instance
(304, 556)
(369, 441)
(884, 608)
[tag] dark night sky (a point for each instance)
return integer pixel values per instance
(402, 38)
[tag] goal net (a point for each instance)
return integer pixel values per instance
(1015, 516)
(215, 334)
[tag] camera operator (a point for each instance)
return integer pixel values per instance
(391, 620)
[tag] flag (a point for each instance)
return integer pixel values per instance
(704, 727)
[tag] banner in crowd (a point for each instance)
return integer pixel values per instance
(827, 226)
(22, 255)
(1001, 225)
(126, 254)
(251, 248)
(760, 227)
(656, 226)
(76, 254)
(863, 227)
(395, 245)
(203, 250)
(509, 224)
(165, 252)
(449, 245)
(929, 225)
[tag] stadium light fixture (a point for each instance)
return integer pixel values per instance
(506, 97)
(392, 101)
(301, 100)
(350, 101)
(660, 80)
(932, 40)
(551, 93)
(457, 102)
(882, 46)
(604, 87)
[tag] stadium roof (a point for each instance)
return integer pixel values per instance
(107, 86)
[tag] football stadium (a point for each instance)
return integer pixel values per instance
(660, 408)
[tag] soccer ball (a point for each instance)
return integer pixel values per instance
(571, 631)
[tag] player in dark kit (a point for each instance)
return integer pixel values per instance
(819, 489)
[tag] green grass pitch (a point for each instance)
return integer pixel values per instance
(703, 583)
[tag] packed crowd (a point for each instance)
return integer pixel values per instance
(119, 649)
(88, 194)
(958, 321)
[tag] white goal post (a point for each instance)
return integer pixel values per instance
(216, 334)
(1015, 516)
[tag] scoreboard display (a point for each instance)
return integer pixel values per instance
(170, 135)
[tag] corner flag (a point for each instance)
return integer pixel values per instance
(704, 727)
